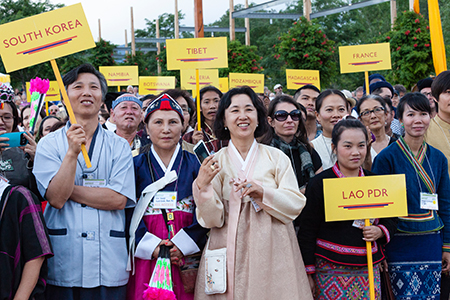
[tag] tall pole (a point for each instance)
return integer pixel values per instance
(411, 4)
(126, 42)
(307, 9)
(99, 30)
(393, 12)
(232, 34)
(247, 27)
(198, 7)
(177, 25)
(133, 44)
(158, 45)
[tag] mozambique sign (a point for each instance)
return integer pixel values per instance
(297, 78)
(255, 81)
(206, 77)
(366, 197)
(369, 57)
(155, 84)
(52, 94)
(123, 75)
(223, 84)
(198, 53)
(40, 38)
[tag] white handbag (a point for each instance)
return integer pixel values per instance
(215, 270)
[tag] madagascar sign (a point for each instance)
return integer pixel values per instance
(368, 197)
(155, 84)
(206, 77)
(297, 78)
(51, 95)
(223, 84)
(370, 57)
(255, 81)
(198, 53)
(123, 75)
(43, 37)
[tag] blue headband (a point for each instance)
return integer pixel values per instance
(126, 97)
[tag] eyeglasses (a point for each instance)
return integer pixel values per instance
(7, 118)
(377, 111)
(282, 115)
(185, 109)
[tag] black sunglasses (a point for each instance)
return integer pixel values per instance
(282, 115)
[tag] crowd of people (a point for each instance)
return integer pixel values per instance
(247, 222)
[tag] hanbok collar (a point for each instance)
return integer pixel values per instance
(249, 154)
(172, 160)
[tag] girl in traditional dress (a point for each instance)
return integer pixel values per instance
(248, 195)
(289, 135)
(421, 247)
(335, 252)
(372, 113)
(165, 210)
(331, 106)
(209, 102)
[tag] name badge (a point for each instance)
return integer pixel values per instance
(256, 206)
(166, 200)
(429, 201)
(94, 182)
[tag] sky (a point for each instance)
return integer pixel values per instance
(115, 15)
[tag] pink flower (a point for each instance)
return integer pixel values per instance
(417, 21)
(388, 37)
(415, 45)
(427, 45)
(294, 39)
(320, 62)
(407, 32)
(415, 38)
(306, 55)
(418, 30)
(293, 48)
(39, 85)
(398, 49)
(295, 23)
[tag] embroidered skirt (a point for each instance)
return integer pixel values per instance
(344, 282)
(415, 262)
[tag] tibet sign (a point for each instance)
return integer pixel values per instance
(255, 81)
(43, 37)
(297, 78)
(367, 197)
(122, 75)
(197, 53)
(361, 58)
(155, 84)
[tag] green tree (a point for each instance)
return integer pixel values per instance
(241, 59)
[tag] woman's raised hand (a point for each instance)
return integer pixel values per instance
(208, 170)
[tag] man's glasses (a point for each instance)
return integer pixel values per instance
(282, 115)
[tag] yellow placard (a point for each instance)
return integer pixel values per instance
(155, 84)
(206, 77)
(40, 38)
(368, 197)
(297, 78)
(53, 93)
(198, 53)
(369, 57)
(121, 76)
(4, 78)
(255, 81)
(223, 84)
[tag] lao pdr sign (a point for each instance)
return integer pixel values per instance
(40, 38)
(368, 197)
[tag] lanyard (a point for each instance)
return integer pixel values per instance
(416, 162)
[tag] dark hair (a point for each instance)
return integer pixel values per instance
(41, 127)
(71, 76)
(225, 102)
(368, 97)
(15, 114)
(440, 84)
(400, 88)
(104, 113)
(344, 124)
(176, 93)
(301, 134)
(305, 87)
(327, 93)
(58, 125)
(41, 113)
(416, 101)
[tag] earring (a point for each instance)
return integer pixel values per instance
(256, 125)
(226, 128)
(401, 124)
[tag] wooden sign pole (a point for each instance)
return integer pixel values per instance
(199, 33)
(73, 120)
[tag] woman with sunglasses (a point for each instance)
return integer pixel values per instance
(289, 135)
(372, 113)
(331, 106)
